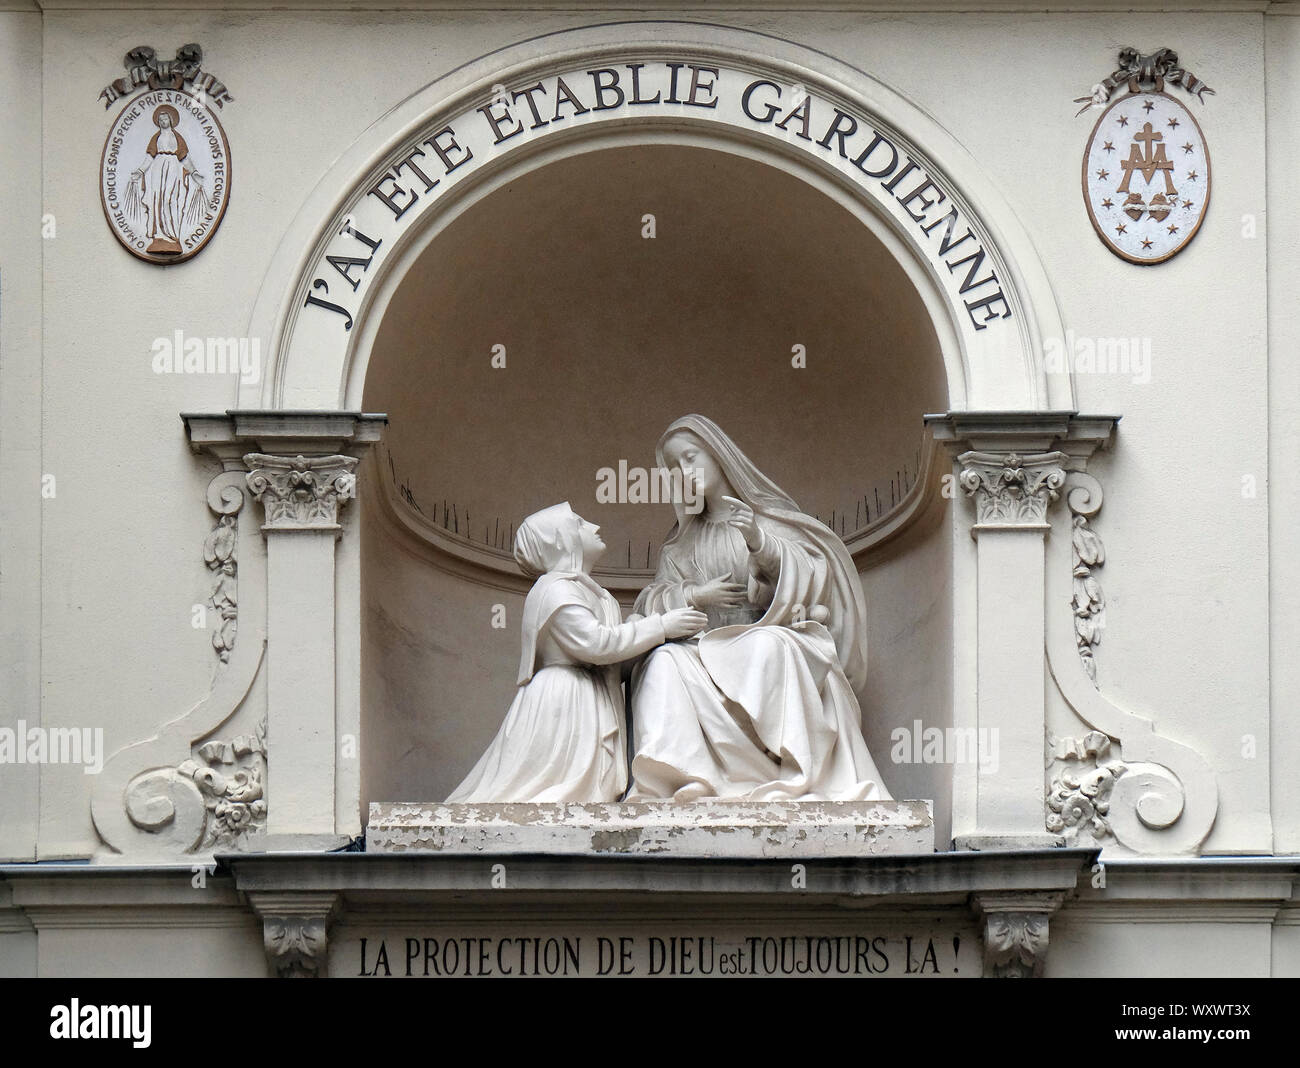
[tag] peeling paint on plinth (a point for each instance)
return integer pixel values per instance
(711, 828)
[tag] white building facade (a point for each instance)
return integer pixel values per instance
(257, 495)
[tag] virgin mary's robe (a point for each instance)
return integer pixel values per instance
(759, 707)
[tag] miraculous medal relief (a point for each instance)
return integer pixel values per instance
(1146, 168)
(165, 170)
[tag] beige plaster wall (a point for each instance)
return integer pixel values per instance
(1188, 555)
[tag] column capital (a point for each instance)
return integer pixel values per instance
(1010, 489)
(301, 492)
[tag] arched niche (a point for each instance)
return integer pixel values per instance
(317, 359)
(316, 364)
(609, 334)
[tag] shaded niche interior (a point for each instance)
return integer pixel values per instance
(608, 336)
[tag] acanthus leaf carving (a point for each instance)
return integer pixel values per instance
(301, 492)
(295, 931)
(1015, 943)
(1016, 931)
(1011, 489)
(295, 945)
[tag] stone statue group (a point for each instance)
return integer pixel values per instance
(744, 654)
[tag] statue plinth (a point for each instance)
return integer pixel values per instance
(708, 828)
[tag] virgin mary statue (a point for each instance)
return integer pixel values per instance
(761, 706)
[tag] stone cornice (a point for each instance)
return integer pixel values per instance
(1207, 879)
(1167, 912)
(947, 7)
(14, 921)
(1078, 436)
(933, 875)
(1016, 896)
(229, 435)
(936, 877)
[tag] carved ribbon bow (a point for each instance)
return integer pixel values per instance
(1141, 71)
(143, 67)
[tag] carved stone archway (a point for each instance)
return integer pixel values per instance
(993, 350)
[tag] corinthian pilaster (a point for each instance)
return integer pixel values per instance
(302, 468)
(301, 497)
(1010, 489)
(301, 493)
(1012, 467)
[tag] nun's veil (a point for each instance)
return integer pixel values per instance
(548, 548)
(549, 540)
(848, 609)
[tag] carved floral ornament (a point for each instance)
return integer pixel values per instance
(220, 554)
(232, 783)
(1088, 602)
(1126, 783)
(1078, 800)
(183, 791)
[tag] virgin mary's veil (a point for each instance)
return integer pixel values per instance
(848, 609)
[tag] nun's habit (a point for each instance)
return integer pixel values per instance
(564, 738)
